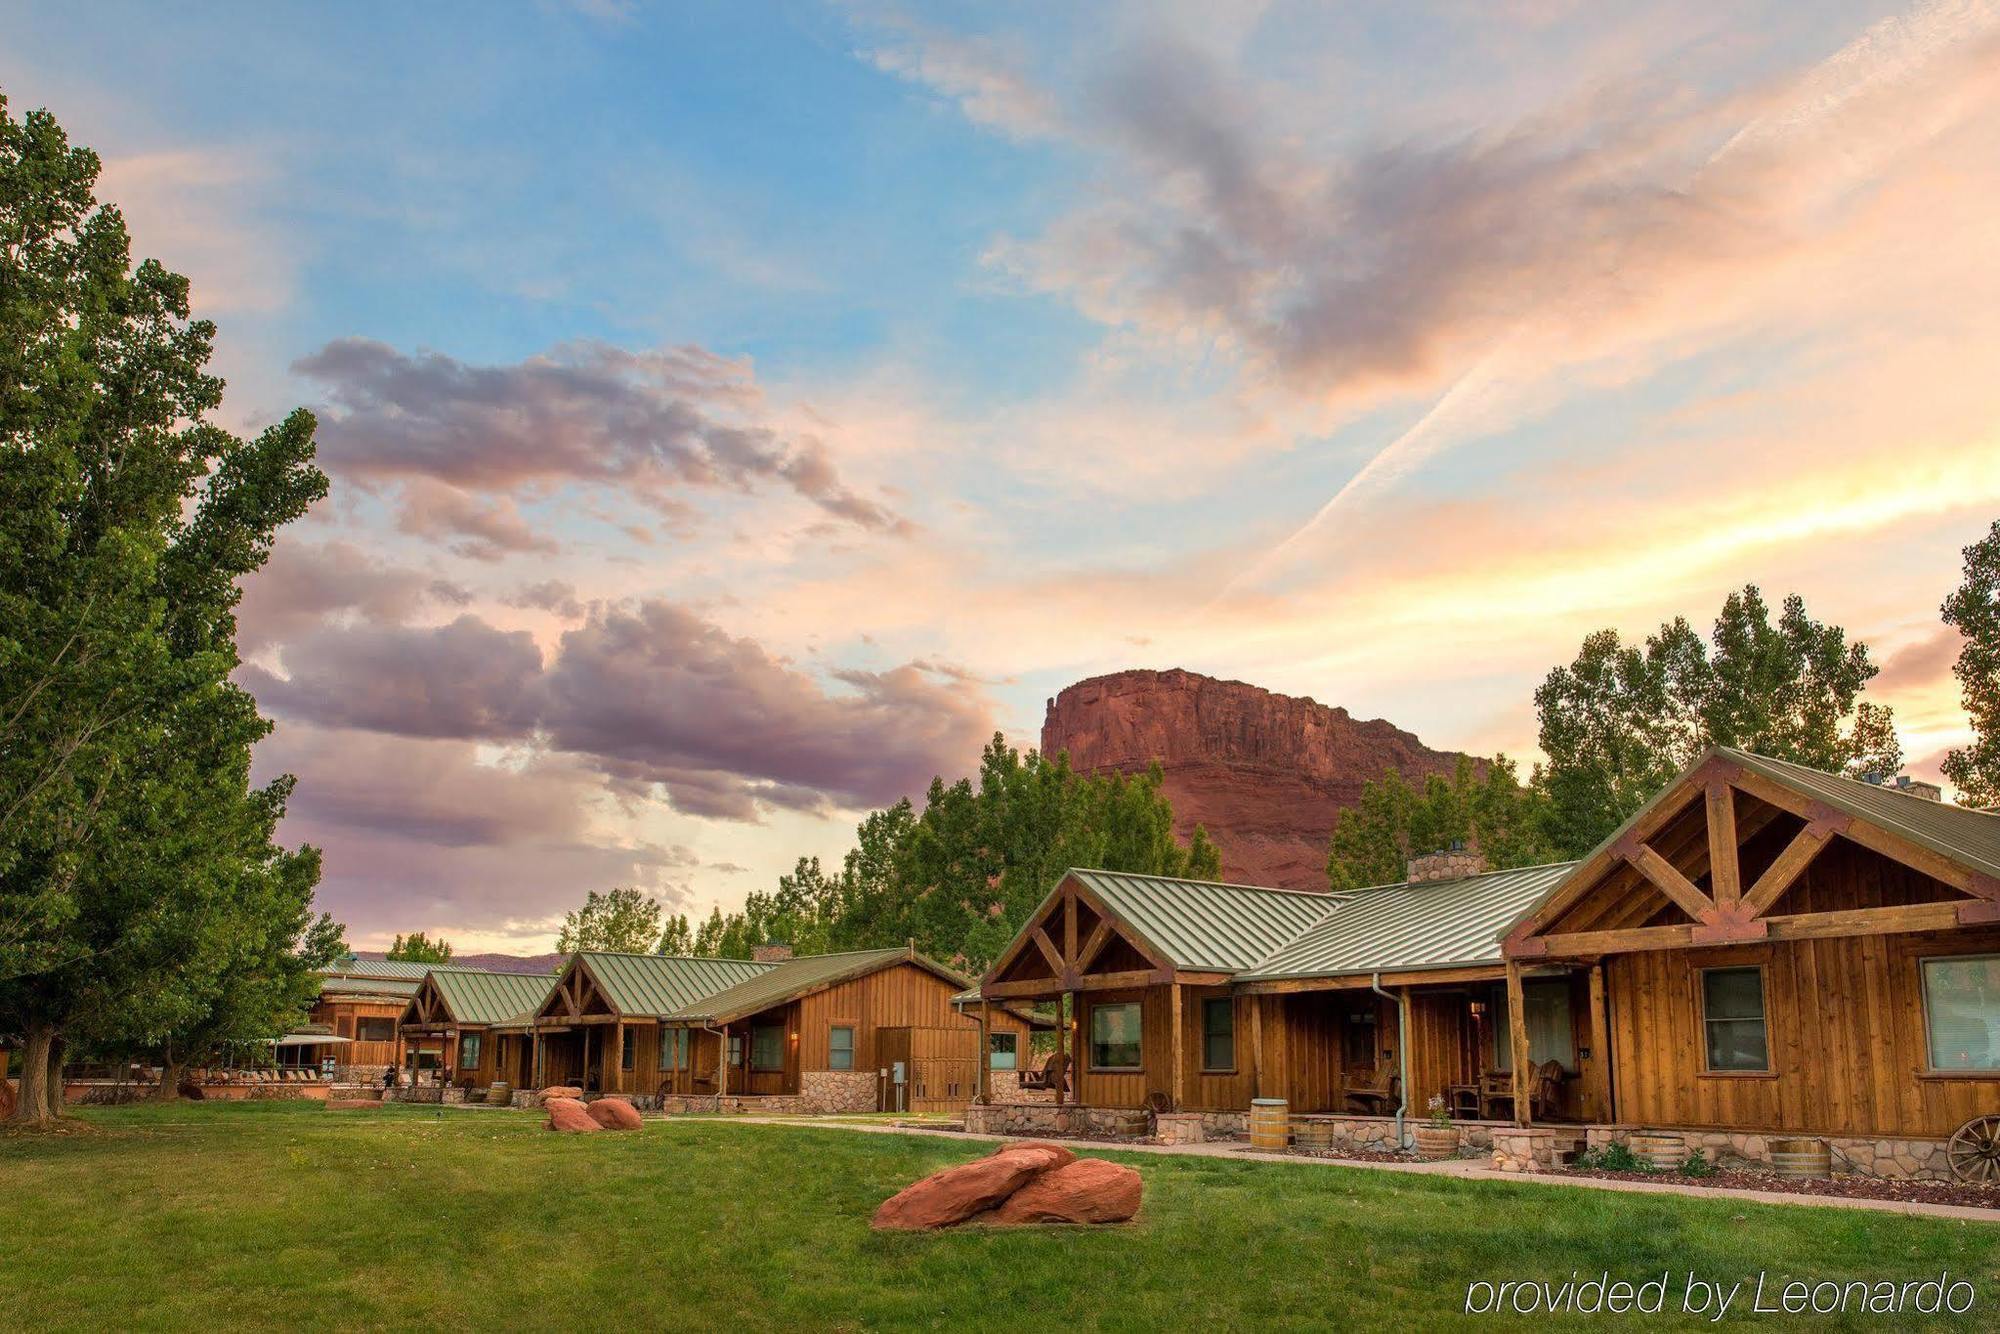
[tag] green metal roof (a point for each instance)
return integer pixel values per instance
(1967, 836)
(476, 997)
(794, 977)
(1200, 926)
(398, 988)
(1429, 924)
(659, 984)
(390, 968)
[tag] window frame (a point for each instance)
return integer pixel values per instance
(1931, 1068)
(1208, 1004)
(737, 1051)
(673, 1053)
(369, 1019)
(833, 1048)
(628, 1049)
(1701, 971)
(1013, 1041)
(478, 1050)
(1139, 1042)
(757, 1069)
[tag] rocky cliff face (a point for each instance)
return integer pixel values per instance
(1265, 773)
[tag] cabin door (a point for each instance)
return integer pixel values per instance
(892, 1057)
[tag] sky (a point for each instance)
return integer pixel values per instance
(738, 413)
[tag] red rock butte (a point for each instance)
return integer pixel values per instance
(1265, 773)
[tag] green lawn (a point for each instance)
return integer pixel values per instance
(285, 1213)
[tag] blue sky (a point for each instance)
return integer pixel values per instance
(737, 413)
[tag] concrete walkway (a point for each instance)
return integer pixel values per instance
(1470, 1169)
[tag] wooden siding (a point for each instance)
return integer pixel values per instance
(341, 1017)
(1844, 1021)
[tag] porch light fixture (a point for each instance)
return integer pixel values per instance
(1477, 1008)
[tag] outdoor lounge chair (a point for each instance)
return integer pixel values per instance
(1054, 1073)
(1545, 1097)
(1378, 1096)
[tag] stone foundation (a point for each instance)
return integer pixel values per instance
(1070, 1119)
(679, 1103)
(1005, 1086)
(1890, 1159)
(834, 1091)
(1534, 1148)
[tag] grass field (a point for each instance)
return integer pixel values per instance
(259, 1214)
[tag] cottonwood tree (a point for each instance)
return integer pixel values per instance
(419, 948)
(1505, 820)
(134, 854)
(623, 921)
(1974, 611)
(1622, 719)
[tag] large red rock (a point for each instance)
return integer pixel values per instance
(957, 1193)
(1060, 1154)
(570, 1116)
(614, 1114)
(1266, 774)
(1088, 1190)
(561, 1091)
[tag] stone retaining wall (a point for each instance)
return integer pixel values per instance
(1070, 1119)
(1891, 1159)
(834, 1091)
(677, 1103)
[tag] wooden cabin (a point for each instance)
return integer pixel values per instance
(814, 1033)
(360, 1003)
(1763, 950)
(481, 1023)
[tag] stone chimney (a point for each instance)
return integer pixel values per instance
(770, 953)
(1451, 863)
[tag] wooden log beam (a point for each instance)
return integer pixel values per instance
(1807, 844)
(1048, 949)
(1100, 936)
(1069, 930)
(1725, 874)
(1177, 1090)
(1257, 1089)
(1665, 877)
(1517, 1038)
(1600, 1045)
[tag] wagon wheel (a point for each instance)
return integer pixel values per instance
(1974, 1150)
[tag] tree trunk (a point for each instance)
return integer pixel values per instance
(170, 1081)
(33, 1105)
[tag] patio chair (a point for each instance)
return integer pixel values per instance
(1545, 1098)
(1496, 1096)
(1054, 1073)
(1378, 1095)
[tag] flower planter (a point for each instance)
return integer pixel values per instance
(1436, 1142)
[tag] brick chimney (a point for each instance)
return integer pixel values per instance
(1451, 863)
(770, 953)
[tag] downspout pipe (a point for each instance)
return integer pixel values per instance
(1402, 1054)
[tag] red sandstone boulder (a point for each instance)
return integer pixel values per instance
(570, 1116)
(957, 1193)
(1062, 1155)
(614, 1114)
(561, 1091)
(1088, 1190)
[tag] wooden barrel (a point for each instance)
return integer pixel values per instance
(1801, 1158)
(499, 1093)
(1665, 1152)
(1312, 1134)
(1269, 1124)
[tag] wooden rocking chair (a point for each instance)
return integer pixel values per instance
(1545, 1096)
(1379, 1096)
(1054, 1073)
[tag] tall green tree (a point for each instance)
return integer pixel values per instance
(419, 948)
(960, 877)
(1974, 611)
(132, 846)
(1495, 813)
(1621, 720)
(623, 920)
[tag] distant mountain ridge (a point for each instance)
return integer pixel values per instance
(1265, 773)
(492, 963)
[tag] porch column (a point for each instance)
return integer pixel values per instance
(1600, 1045)
(618, 1045)
(1064, 1013)
(1517, 1037)
(985, 1050)
(537, 1068)
(1257, 1089)
(1177, 1088)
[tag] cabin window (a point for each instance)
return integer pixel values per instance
(840, 1048)
(468, 1051)
(1003, 1051)
(767, 1047)
(626, 1047)
(1962, 1012)
(1732, 1012)
(1114, 1036)
(1218, 1034)
(736, 1050)
(374, 1030)
(673, 1049)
